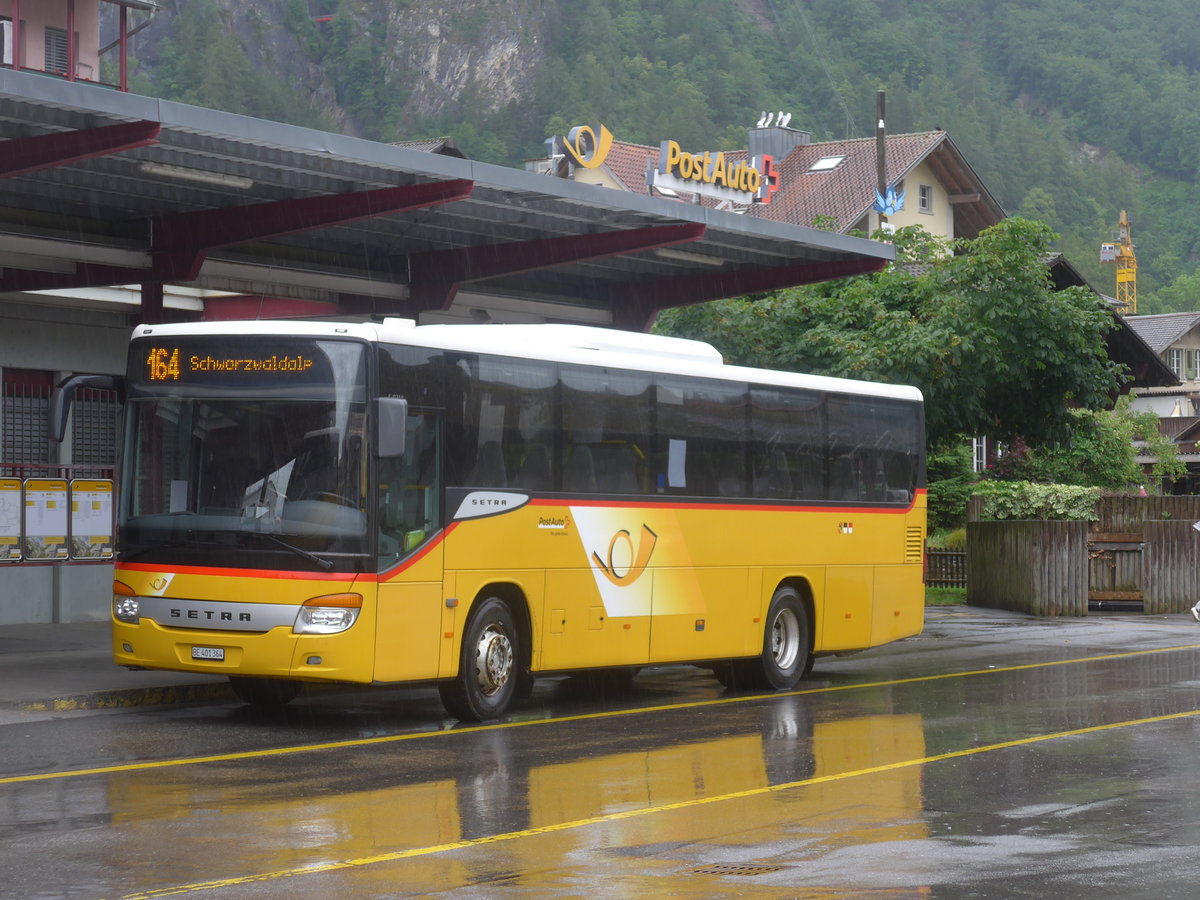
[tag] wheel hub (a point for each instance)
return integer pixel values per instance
(785, 639)
(493, 660)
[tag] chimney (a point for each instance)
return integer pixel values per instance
(776, 141)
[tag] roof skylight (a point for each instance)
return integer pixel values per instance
(825, 163)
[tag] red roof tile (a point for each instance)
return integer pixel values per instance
(847, 191)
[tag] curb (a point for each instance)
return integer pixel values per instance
(126, 698)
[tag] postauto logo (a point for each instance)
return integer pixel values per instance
(586, 146)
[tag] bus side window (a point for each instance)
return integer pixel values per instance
(579, 473)
(489, 469)
(773, 475)
(534, 473)
(606, 430)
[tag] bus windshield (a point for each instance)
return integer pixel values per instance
(247, 453)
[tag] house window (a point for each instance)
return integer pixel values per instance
(1193, 365)
(925, 198)
(978, 454)
(1175, 361)
(56, 50)
(6, 39)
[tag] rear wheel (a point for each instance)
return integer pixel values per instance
(265, 693)
(787, 648)
(487, 672)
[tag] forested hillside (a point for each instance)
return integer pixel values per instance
(1069, 111)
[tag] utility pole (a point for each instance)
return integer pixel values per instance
(881, 182)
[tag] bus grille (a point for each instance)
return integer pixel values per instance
(914, 543)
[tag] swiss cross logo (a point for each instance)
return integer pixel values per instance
(768, 183)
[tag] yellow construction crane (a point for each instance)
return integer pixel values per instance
(1121, 253)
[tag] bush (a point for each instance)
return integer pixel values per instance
(954, 539)
(950, 482)
(1026, 500)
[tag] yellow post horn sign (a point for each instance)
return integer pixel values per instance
(586, 146)
(636, 560)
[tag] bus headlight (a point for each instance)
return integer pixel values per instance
(329, 614)
(126, 607)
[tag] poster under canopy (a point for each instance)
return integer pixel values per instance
(10, 519)
(45, 518)
(91, 519)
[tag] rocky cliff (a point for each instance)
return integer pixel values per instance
(423, 53)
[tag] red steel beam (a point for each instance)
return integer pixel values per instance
(210, 228)
(194, 234)
(181, 242)
(436, 276)
(47, 151)
(636, 303)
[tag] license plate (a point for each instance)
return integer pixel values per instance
(216, 654)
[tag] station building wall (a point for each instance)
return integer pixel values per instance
(39, 344)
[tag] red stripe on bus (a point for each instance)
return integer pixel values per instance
(739, 507)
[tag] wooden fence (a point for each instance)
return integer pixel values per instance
(946, 568)
(1139, 553)
(1035, 567)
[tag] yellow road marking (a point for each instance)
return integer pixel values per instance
(399, 855)
(582, 717)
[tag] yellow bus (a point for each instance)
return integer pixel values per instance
(477, 505)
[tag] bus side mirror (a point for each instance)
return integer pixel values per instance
(391, 419)
(63, 396)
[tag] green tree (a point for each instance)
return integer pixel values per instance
(1181, 295)
(206, 65)
(993, 347)
(1101, 450)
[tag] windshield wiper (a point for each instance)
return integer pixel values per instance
(319, 561)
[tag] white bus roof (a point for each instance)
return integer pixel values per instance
(551, 342)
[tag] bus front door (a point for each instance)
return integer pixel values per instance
(409, 634)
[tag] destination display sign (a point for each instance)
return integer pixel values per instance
(241, 362)
(171, 362)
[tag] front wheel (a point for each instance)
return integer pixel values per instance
(487, 672)
(787, 645)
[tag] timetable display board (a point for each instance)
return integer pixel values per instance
(91, 519)
(46, 523)
(10, 519)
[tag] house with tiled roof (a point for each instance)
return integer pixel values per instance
(1175, 338)
(835, 182)
(832, 184)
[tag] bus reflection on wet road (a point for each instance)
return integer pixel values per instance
(1066, 767)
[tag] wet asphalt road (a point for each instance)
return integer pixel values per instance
(994, 756)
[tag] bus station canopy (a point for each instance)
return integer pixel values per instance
(103, 188)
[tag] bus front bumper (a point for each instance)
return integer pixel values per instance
(278, 653)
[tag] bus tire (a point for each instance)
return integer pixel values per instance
(488, 670)
(787, 644)
(265, 693)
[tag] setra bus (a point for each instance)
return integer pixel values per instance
(477, 505)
